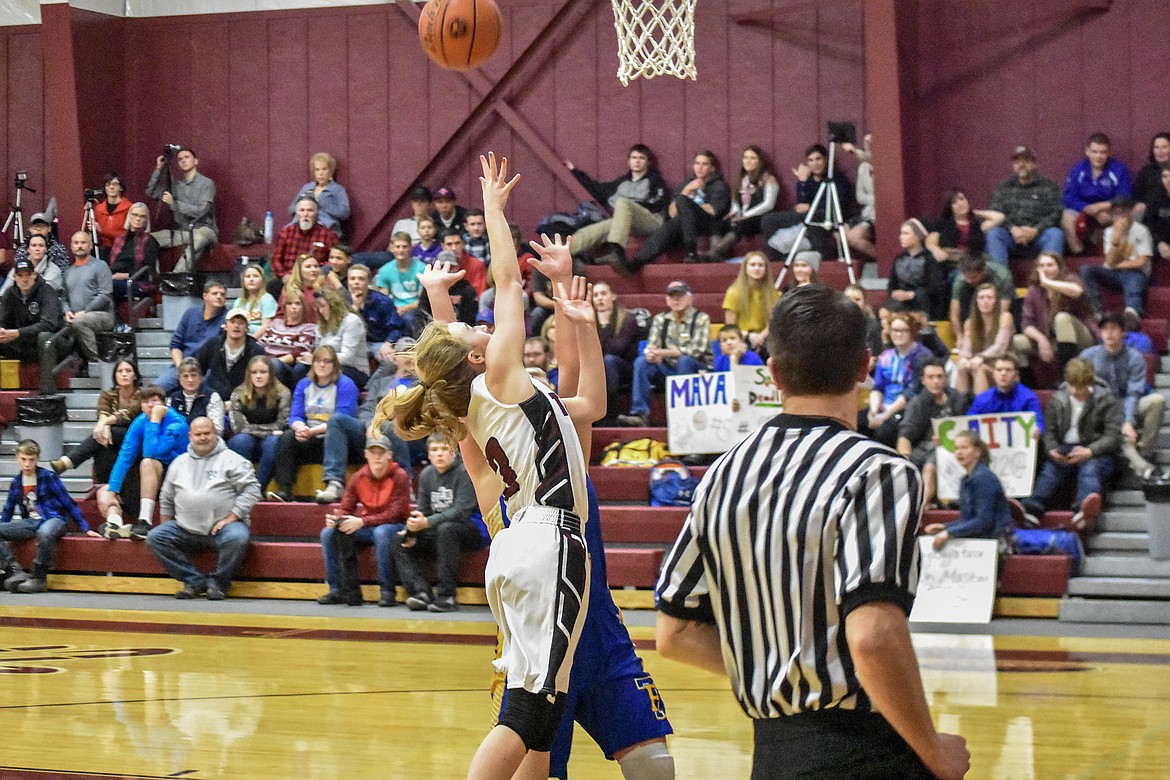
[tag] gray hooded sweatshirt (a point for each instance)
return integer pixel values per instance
(198, 491)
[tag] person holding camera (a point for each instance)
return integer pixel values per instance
(39, 224)
(108, 214)
(191, 198)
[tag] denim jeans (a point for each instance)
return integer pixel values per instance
(47, 532)
(345, 443)
(1000, 244)
(618, 373)
(172, 545)
(1090, 476)
(646, 372)
(445, 544)
(1131, 283)
(252, 447)
(381, 536)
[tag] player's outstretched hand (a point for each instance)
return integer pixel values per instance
(496, 185)
(440, 276)
(555, 259)
(576, 303)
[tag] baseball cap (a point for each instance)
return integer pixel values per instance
(488, 316)
(378, 441)
(39, 217)
(420, 193)
(446, 256)
(237, 314)
(445, 192)
(1024, 151)
(677, 286)
(404, 344)
(24, 264)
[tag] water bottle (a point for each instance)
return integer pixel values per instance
(267, 227)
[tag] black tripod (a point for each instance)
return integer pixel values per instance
(169, 182)
(15, 217)
(833, 220)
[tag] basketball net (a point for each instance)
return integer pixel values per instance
(655, 38)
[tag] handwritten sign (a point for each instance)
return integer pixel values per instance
(1011, 437)
(758, 397)
(711, 412)
(957, 583)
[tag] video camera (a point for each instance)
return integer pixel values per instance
(842, 133)
(91, 194)
(170, 150)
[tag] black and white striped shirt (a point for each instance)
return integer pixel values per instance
(798, 524)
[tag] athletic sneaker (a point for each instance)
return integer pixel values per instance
(331, 493)
(279, 496)
(1090, 510)
(115, 530)
(139, 530)
(332, 597)
(419, 601)
(444, 604)
(214, 592)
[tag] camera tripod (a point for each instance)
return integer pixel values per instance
(186, 261)
(87, 218)
(833, 221)
(15, 216)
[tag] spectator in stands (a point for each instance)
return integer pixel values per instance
(331, 198)
(260, 409)
(35, 252)
(679, 343)
(205, 504)
(474, 271)
(384, 326)
(325, 392)
(89, 298)
(191, 198)
(873, 328)
(224, 358)
(155, 438)
(637, 201)
(803, 273)
(987, 334)
(1088, 190)
(343, 439)
(960, 230)
(345, 331)
(45, 509)
(462, 294)
(757, 195)
(1129, 254)
(116, 407)
(916, 439)
(336, 269)
(448, 214)
(750, 298)
(974, 271)
(306, 276)
(1031, 205)
(373, 511)
(134, 256)
(420, 206)
(444, 527)
(917, 281)
(983, 506)
(1149, 179)
(197, 325)
(305, 236)
(810, 174)
(192, 398)
(1123, 371)
(1008, 395)
(30, 315)
(289, 341)
(427, 248)
(1157, 213)
(475, 237)
(620, 333)
(390, 378)
(1082, 438)
(399, 278)
(860, 234)
(733, 350)
(39, 224)
(1057, 322)
(110, 214)
(256, 303)
(698, 208)
(897, 379)
(536, 353)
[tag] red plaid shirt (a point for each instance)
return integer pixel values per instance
(292, 242)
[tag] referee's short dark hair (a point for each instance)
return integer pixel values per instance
(816, 337)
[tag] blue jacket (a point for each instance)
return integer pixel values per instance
(53, 500)
(1124, 372)
(163, 441)
(896, 375)
(1081, 189)
(983, 507)
(723, 362)
(383, 323)
(992, 401)
(347, 399)
(193, 330)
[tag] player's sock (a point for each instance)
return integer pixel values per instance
(146, 511)
(649, 761)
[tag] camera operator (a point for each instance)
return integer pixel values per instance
(109, 214)
(191, 197)
(39, 225)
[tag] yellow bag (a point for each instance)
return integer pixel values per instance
(638, 452)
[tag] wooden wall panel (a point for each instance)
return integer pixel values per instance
(25, 140)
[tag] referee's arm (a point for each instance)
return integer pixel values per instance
(686, 629)
(691, 642)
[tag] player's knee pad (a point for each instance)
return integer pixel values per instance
(650, 761)
(533, 717)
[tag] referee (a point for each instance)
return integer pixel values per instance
(795, 571)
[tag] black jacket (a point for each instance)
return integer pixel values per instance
(1099, 426)
(657, 195)
(37, 312)
(213, 363)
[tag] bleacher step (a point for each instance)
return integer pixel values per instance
(1116, 499)
(1113, 540)
(1080, 610)
(1123, 521)
(1122, 565)
(1120, 587)
(152, 338)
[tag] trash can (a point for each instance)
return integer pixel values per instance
(41, 418)
(180, 291)
(112, 347)
(1158, 518)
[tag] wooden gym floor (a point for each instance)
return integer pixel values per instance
(87, 693)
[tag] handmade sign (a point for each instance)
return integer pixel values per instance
(1011, 437)
(957, 583)
(711, 412)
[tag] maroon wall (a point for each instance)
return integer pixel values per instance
(22, 142)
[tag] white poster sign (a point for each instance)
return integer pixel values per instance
(956, 583)
(699, 416)
(757, 398)
(1011, 437)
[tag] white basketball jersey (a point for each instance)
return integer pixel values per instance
(534, 448)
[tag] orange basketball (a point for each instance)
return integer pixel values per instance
(459, 34)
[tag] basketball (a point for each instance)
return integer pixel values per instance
(459, 34)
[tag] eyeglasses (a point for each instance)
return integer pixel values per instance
(899, 330)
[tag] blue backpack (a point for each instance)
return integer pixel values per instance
(671, 483)
(1048, 541)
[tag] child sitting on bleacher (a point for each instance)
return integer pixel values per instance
(733, 350)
